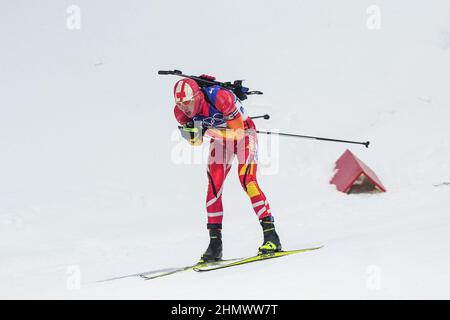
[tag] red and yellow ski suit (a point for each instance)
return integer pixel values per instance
(232, 133)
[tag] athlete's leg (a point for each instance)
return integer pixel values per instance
(218, 168)
(247, 155)
(247, 177)
(219, 164)
(246, 151)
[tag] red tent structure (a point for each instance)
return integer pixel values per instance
(353, 176)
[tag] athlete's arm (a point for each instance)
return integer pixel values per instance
(192, 135)
(225, 104)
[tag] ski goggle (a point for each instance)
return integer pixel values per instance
(187, 106)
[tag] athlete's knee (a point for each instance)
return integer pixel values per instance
(247, 174)
(250, 186)
(252, 189)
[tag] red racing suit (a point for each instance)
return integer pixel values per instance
(232, 133)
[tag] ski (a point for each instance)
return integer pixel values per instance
(167, 272)
(164, 273)
(148, 275)
(203, 268)
(209, 266)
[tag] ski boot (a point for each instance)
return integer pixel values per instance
(214, 251)
(271, 240)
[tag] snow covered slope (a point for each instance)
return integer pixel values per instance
(90, 187)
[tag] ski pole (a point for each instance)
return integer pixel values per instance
(265, 117)
(311, 137)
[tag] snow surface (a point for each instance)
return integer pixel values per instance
(90, 186)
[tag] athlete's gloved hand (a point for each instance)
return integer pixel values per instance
(192, 133)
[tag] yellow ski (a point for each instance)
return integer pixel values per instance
(202, 268)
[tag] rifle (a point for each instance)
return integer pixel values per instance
(205, 81)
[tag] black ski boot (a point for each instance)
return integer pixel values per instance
(271, 240)
(214, 251)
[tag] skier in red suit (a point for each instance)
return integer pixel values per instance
(223, 118)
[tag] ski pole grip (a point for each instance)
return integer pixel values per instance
(254, 92)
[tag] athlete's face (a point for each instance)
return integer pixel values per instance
(188, 106)
(188, 98)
